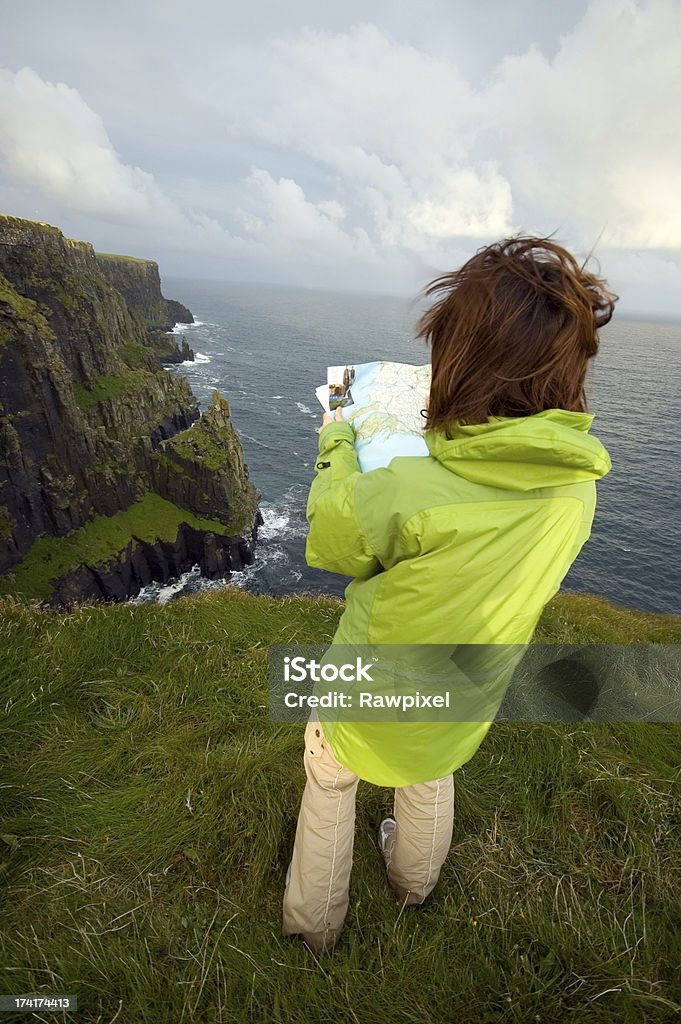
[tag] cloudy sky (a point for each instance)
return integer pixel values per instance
(364, 145)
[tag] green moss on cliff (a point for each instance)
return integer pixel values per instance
(102, 540)
(197, 445)
(10, 442)
(213, 444)
(24, 310)
(211, 440)
(66, 298)
(165, 460)
(5, 522)
(139, 356)
(111, 386)
(19, 225)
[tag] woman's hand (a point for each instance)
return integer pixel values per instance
(330, 419)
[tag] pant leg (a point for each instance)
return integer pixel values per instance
(316, 897)
(416, 852)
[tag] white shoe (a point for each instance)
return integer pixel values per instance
(387, 828)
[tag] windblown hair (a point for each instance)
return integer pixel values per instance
(512, 332)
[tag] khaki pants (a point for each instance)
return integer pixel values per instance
(316, 897)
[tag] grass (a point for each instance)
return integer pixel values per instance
(112, 386)
(211, 440)
(25, 311)
(122, 259)
(102, 540)
(139, 356)
(149, 809)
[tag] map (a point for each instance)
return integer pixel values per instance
(385, 411)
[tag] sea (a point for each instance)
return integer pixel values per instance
(267, 347)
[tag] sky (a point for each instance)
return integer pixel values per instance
(363, 146)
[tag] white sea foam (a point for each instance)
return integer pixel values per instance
(275, 523)
(181, 328)
(162, 593)
(199, 359)
(305, 409)
(168, 590)
(280, 523)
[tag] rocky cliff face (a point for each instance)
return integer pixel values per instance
(91, 424)
(139, 283)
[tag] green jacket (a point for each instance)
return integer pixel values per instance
(464, 546)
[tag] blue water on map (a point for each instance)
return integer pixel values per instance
(381, 447)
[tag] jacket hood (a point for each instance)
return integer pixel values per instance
(550, 449)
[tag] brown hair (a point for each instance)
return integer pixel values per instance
(512, 332)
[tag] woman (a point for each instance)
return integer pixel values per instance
(464, 546)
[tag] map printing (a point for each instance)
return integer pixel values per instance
(386, 411)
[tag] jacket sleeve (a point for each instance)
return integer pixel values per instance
(336, 541)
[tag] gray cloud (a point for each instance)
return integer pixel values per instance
(362, 147)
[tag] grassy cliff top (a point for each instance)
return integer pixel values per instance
(123, 259)
(18, 226)
(149, 810)
(6, 220)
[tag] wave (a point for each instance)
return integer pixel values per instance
(181, 328)
(286, 518)
(305, 409)
(283, 523)
(167, 591)
(276, 523)
(198, 360)
(190, 582)
(254, 439)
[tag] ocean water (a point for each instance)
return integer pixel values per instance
(267, 347)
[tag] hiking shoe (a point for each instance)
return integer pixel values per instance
(387, 828)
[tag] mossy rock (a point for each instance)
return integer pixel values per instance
(101, 541)
(6, 524)
(111, 386)
(25, 311)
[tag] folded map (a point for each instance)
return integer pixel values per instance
(383, 401)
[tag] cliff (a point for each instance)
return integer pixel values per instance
(109, 476)
(139, 283)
